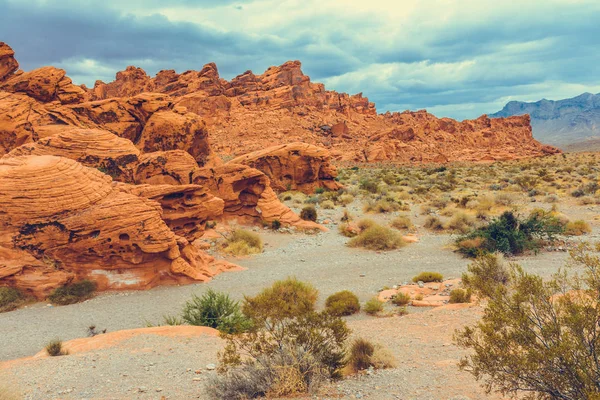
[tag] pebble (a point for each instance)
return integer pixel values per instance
(211, 367)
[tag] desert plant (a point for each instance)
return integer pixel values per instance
(73, 293)
(577, 228)
(55, 348)
(460, 296)
(382, 358)
(377, 238)
(402, 222)
(288, 298)
(460, 222)
(486, 273)
(309, 213)
(428, 277)
(432, 222)
(511, 235)
(342, 303)
(327, 205)
(275, 224)
(538, 339)
(290, 349)
(360, 355)
(215, 310)
(373, 306)
(243, 243)
(401, 299)
(345, 199)
(10, 298)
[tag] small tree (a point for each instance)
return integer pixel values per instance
(539, 339)
(215, 310)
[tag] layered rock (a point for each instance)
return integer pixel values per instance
(174, 167)
(85, 227)
(294, 166)
(96, 148)
(45, 84)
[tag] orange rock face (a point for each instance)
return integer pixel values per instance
(294, 166)
(8, 64)
(45, 84)
(87, 228)
(282, 106)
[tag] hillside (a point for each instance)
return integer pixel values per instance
(572, 124)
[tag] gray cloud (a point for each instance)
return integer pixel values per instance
(436, 56)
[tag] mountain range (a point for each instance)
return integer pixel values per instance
(571, 124)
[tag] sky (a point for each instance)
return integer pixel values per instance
(455, 58)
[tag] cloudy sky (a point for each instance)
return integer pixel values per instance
(456, 58)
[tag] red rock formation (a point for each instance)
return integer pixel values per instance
(174, 167)
(283, 106)
(45, 84)
(95, 148)
(85, 227)
(8, 64)
(294, 166)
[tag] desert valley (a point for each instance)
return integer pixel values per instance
(186, 236)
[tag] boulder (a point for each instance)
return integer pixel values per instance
(86, 227)
(45, 84)
(8, 64)
(294, 166)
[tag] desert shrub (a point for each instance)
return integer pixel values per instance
(377, 238)
(10, 298)
(309, 213)
(381, 206)
(486, 273)
(365, 224)
(402, 222)
(347, 230)
(368, 185)
(373, 306)
(55, 348)
(328, 205)
(73, 293)
(577, 228)
(460, 296)
(505, 199)
(428, 277)
(578, 193)
(215, 310)
(275, 224)
(551, 198)
(345, 199)
(401, 299)
(360, 355)
(342, 303)
(382, 358)
(288, 298)
(243, 243)
(511, 235)
(290, 349)
(432, 222)
(537, 339)
(460, 222)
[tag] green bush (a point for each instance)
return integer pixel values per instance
(288, 298)
(537, 339)
(309, 213)
(460, 296)
(486, 274)
(368, 185)
(373, 306)
(428, 277)
(401, 299)
(290, 349)
(215, 310)
(377, 238)
(10, 298)
(342, 303)
(510, 235)
(275, 224)
(55, 348)
(243, 243)
(73, 293)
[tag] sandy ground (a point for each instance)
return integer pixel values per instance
(421, 341)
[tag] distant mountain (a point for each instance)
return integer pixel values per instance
(572, 124)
